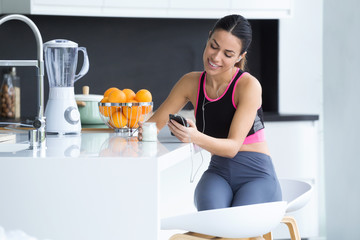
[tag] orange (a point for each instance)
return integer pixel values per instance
(134, 122)
(143, 95)
(109, 90)
(131, 112)
(104, 100)
(117, 96)
(130, 95)
(106, 111)
(146, 109)
(118, 120)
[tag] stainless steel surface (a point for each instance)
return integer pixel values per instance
(36, 139)
(39, 63)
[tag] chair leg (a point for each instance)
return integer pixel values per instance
(291, 224)
(268, 236)
(191, 236)
(198, 236)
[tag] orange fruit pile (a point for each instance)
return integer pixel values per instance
(126, 115)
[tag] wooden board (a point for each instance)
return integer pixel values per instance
(5, 137)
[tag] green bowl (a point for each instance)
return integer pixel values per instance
(89, 114)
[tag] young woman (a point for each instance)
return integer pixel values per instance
(229, 121)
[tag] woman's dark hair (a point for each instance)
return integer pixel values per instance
(238, 26)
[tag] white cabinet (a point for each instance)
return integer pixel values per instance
(53, 7)
(263, 9)
(136, 4)
(200, 4)
(157, 8)
(295, 150)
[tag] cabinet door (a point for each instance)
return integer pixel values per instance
(139, 8)
(261, 4)
(67, 7)
(262, 8)
(136, 4)
(199, 4)
(69, 3)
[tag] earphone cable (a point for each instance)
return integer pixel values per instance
(192, 154)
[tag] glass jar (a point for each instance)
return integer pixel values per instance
(10, 95)
(149, 133)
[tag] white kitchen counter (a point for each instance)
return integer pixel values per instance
(90, 186)
(94, 143)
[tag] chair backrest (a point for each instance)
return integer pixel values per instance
(235, 222)
(296, 193)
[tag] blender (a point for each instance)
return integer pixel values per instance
(61, 112)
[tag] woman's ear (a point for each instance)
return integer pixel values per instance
(241, 56)
(244, 54)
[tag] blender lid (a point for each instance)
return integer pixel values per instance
(61, 43)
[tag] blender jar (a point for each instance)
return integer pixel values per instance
(61, 58)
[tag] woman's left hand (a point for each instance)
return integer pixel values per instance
(184, 134)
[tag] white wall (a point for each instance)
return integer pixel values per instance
(342, 117)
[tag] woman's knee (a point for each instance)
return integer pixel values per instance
(258, 191)
(212, 192)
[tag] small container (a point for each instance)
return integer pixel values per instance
(149, 133)
(10, 95)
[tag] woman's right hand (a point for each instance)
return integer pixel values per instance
(140, 130)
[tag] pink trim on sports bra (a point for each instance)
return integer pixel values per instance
(213, 100)
(259, 136)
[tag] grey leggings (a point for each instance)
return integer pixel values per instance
(248, 178)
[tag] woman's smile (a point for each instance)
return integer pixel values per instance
(213, 65)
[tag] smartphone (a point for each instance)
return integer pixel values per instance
(178, 119)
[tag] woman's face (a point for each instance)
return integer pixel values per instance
(222, 52)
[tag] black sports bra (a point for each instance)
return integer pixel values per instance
(214, 116)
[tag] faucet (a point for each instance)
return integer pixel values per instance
(37, 137)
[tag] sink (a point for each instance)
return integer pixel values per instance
(13, 147)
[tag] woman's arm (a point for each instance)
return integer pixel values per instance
(181, 93)
(247, 99)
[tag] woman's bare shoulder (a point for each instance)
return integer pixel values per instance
(189, 81)
(192, 76)
(248, 89)
(248, 81)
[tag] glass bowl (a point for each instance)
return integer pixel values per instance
(124, 117)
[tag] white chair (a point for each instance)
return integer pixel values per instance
(244, 221)
(297, 194)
